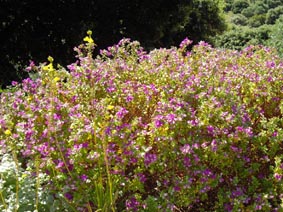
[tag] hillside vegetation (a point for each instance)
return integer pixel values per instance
(254, 22)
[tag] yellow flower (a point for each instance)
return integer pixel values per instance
(50, 59)
(56, 79)
(110, 107)
(89, 137)
(8, 132)
(89, 32)
(88, 39)
(29, 98)
(48, 67)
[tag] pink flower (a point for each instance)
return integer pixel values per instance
(185, 43)
(186, 149)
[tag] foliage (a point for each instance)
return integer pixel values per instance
(248, 12)
(260, 16)
(228, 5)
(239, 5)
(273, 3)
(257, 20)
(273, 14)
(259, 8)
(276, 36)
(19, 190)
(239, 19)
(241, 37)
(168, 130)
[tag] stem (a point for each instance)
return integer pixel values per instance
(89, 207)
(17, 178)
(37, 183)
(62, 157)
(53, 95)
(108, 172)
(2, 198)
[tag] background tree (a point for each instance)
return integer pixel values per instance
(36, 29)
(273, 14)
(240, 37)
(239, 19)
(273, 3)
(257, 20)
(276, 36)
(239, 5)
(252, 25)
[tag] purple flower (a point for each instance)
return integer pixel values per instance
(57, 116)
(278, 176)
(14, 83)
(129, 98)
(30, 67)
(185, 43)
(210, 129)
(171, 118)
(44, 133)
(83, 177)
(142, 177)
(236, 193)
(108, 131)
(187, 162)
(249, 131)
(132, 204)
(111, 89)
(133, 160)
(275, 134)
(68, 196)
(29, 134)
(228, 207)
(60, 164)
(270, 64)
(240, 129)
(214, 145)
(149, 158)
(121, 113)
(158, 121)
(177, 188)
(72, 67)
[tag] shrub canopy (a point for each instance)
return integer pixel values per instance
(169, 129)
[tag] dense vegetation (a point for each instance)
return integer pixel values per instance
(167, 130)
(127, 128)
(257, 22)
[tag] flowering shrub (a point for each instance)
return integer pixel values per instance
(168, 130)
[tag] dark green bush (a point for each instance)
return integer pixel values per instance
(240, 37)
(273, 14)
(256, 20)
(239, 19)
(276, 36)
(273, 3)
(248, 12)
(239, 5)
